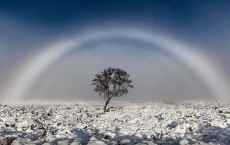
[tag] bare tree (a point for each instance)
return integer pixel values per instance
(112, 82)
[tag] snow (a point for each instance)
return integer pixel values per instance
(133, 123)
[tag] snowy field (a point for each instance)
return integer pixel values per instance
(133, 123)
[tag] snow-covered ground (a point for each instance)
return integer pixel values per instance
(134, 123)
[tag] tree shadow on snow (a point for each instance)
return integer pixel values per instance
(204, 134)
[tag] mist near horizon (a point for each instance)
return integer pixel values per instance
(157, 74)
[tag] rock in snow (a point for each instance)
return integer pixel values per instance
(134, 123)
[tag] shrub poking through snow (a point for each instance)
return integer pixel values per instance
(9, 140)
(112, 82)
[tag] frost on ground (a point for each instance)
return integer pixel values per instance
(135, 123)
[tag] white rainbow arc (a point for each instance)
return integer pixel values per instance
(38, 64)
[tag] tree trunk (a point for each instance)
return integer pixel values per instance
(105, 106)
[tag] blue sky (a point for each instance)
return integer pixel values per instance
(27, 27)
